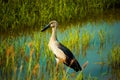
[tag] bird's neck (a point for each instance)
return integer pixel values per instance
(54, 35)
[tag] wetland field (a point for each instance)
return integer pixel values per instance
(89, 28)
(28, 56)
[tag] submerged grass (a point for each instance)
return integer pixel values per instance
(85, 42)
(115, 62)
(102, 37)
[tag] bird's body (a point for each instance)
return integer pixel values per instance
(62, 53)
(60, 56)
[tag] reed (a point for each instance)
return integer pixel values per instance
(27, 14)
(115, 62)
(85, 40)
(102, 36)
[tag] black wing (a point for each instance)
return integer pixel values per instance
(67, 52)
(70, 59)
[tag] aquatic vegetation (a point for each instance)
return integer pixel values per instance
(28, 56)
(115, 62)
(80, 76)
(71, 39)
(102, 37)
(91, 78)
(85, 40)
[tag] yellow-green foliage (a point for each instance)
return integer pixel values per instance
(91, 78)
(116, 61)
(80, 76)
(102, 36)
(116, 52)
(17, 14)
(72, 40)
(85, 39)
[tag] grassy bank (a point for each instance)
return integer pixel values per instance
(17, 15)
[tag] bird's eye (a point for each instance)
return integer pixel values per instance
(52, 24)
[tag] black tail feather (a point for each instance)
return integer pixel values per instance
(75, 65)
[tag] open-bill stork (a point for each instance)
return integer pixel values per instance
(62, 53)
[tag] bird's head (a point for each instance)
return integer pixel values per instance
(51, 24)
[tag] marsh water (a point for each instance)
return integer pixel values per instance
(92, 42)
(103, 37)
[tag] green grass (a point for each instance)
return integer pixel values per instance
(102, 37)
(28, 14)
(115, 61)
(85, 42)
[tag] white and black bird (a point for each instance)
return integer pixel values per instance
(62, 53)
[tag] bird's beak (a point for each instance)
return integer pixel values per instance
(47, 26)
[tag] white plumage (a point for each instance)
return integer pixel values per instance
(62, 53)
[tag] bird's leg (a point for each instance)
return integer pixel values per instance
(57, 67)
(57, 64)
(63, 67)
(56, 72)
